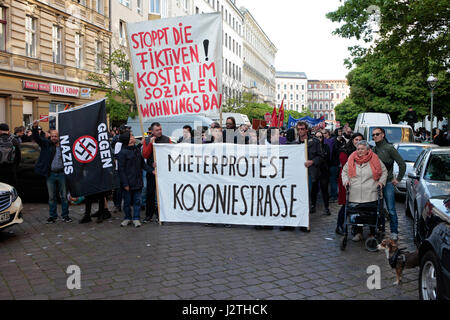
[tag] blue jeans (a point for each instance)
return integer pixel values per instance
(389, 198)
(132, 198)
(144, 189)
(333, 182)
(56, 183)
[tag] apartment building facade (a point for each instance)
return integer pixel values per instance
(325, 95)
(258, 61)
(291, 89)
(48, 49)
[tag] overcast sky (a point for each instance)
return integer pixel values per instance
(302, 35)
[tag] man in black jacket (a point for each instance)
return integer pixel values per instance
(298, 135)
(50, 165)
(131, 164)
(411, 117)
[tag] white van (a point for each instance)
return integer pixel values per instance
(239, 117)
(171, 126)
(394, 133)
(375, 118)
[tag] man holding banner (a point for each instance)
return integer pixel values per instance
(50, 165)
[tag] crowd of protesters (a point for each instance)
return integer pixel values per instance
(330, 161)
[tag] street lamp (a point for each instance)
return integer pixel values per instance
(432, 80)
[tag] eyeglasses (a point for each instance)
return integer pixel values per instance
(376, 134)
(229, 123)
(303, 129)
(320, 137)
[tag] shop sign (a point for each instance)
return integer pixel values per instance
(37, 86)
(85, 92)
(63, 90)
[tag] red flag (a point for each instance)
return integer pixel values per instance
(273, 121)
(281, 115)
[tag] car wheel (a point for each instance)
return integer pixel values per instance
(430, 277)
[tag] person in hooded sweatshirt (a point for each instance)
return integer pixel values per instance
(130, 165)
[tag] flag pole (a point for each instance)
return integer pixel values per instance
(307, 182)
(134, 85)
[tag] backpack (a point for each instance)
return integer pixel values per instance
(7, 150)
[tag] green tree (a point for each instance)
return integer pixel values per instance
(120, 97)
(410, 41)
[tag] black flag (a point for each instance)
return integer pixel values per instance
(86, 149)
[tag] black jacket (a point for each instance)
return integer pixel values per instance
(18, 155)
(48, 150)
(315, 153)
(131, 164)
(411, 117)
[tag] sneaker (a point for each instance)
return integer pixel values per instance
(96, 214)
(339, 231)
(86, 218)
(227, 225)
(357, 237)
(327, 212)
(136, 223)
(51, 220)
(394, 236)
(147, 220)
(125, 223)
(67, 219)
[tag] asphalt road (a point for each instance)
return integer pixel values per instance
(192, 261)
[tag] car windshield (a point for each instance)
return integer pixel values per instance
(410, 153)
(438, 168)
(395, 134)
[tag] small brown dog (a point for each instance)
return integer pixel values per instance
(398, 258)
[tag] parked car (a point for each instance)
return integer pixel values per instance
(430, 177)
(10, 206)
(394, 133)
(409, 152)
(433, 241)
(31, 186)
(375, 118)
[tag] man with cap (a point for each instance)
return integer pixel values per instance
(50, 165)
(9, 156)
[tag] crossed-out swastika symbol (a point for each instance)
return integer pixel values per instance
(85, 149)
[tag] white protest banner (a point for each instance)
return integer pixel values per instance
(177, 65)
(233, 184)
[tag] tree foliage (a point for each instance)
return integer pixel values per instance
(120, 97)
(410, 41)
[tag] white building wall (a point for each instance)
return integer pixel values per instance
(258, 60)
(294, 93)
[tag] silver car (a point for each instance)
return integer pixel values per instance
(409, 151)
(429, 177)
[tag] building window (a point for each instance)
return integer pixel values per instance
(332, 94)
(57, 44)
(284, 87)
(320, 106)
(315, 105)
(337, 95)
(126, 3)
(122, 34)
(185, 4)
(78, 50)
(3, 28)
(138, 6)
(226, 40)
(124, 75)
(27, 111)
(278, 86)
(100, 6)
(30, 36)
(155, 6)
(98, 56)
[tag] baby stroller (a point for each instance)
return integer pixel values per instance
(363, 214)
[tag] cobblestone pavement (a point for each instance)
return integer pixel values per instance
(191, 261)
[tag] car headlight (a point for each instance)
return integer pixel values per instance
(14, 195)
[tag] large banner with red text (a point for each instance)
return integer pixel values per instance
(177, 65)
